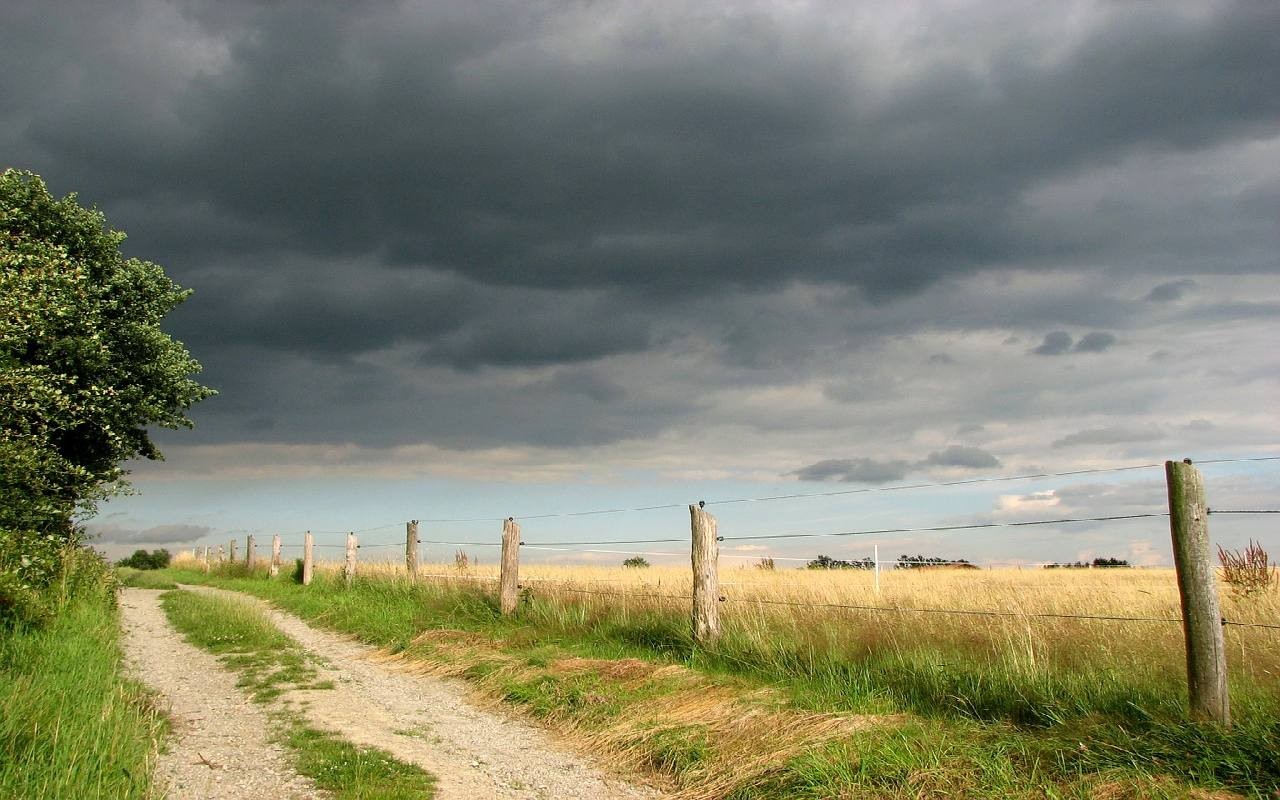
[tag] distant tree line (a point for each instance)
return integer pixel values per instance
(141, 559)
(1097, 562)
(903, 562)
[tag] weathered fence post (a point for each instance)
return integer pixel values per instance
(206, 559)
(275, 554)
(349, 569)
(706, 577)
(222, 556)
(509, 573)
(411, 548)
(308, 566)
(231, 552)
(1197, 587)
(875, 555)
(250, 551)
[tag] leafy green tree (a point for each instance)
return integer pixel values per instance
(635, 562)
(141, 559)
(85, 368)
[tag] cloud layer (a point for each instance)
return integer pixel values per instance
(560, 234)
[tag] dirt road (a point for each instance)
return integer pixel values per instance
(473, 752)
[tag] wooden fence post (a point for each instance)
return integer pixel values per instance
(411, 548)
(349, 569)
(308, 566)
(1197, 587)
(250, 551)
(509, 574)
(206, 559)
(275, 554)
(231, 552)
(706, 577)
(875, 556)
(222, 556)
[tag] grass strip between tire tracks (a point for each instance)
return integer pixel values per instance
(271, 663)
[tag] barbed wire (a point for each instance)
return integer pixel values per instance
(957, 611)
(1262, 511)
(943, 528)
(804, 495)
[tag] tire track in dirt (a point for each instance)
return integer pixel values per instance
(475, 754)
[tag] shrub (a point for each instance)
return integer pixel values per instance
(635, 561)
(141, 559)
(827, 562)
(1247, 572)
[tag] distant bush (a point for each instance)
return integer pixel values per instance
(1097, 562)
(635, 561)
(141, 559)
(765, 564)
(926, 562)
(827, 562)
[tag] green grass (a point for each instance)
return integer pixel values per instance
(144, 578)
(977, 725)
(70, 724)
(355, 773)
(270, 663)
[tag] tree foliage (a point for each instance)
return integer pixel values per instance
(84, 366)
(85, 369)
(141, 559)
(827, 562)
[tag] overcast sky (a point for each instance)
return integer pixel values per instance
(460, 259)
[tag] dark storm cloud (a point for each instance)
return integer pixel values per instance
(868, 470)
(1115, 434)
(854, 470)
(962, 456)
(361, 193)
(478, 139)
(159, 534)
(1055, 344)
(1095, 342)
(1171, 291)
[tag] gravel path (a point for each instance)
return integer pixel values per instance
(220, 748)
(474, 754)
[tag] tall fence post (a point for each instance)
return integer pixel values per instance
(349, 569)
(222, 556)
(411, 548)
(509, 574)
(250, 551)
(231, 551)
(308, 564)
(706, 577)
(875, 555)
(1197, 588)
(275, 554)
(206, 559)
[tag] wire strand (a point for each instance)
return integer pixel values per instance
(940, 528)
(968, 612)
